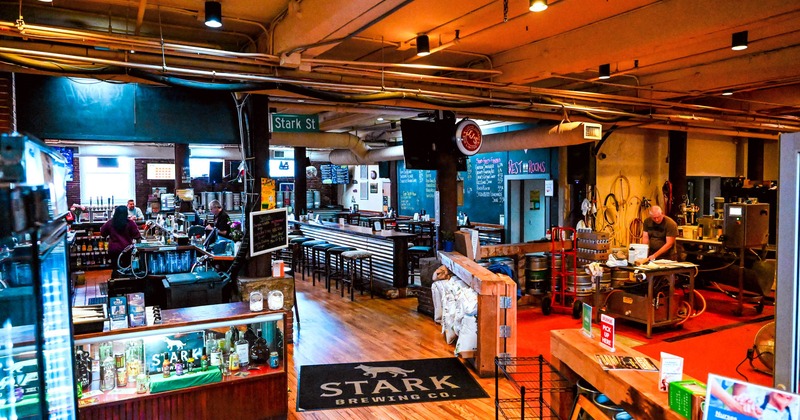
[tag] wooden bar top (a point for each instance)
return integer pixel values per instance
(357, 230)
(635, 391)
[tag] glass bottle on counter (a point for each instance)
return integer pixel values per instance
(250, 336)
(259, 353)
(231, 337)
(108, 373)
(204, 361)
(233, 361)
(216, 354)
(133, 359)
(122, 372)
(243, 352)
(165, 366)
(83, 368)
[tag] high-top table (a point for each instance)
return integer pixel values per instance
(388, 247)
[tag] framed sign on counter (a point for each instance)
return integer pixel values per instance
(268, 231)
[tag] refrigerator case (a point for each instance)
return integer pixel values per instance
(36, 345)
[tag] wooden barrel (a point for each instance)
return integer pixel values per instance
(537, 272)
(618, 278)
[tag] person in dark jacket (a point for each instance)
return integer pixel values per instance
(121, 232)
(222, 222)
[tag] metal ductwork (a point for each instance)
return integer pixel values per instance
(346, 157)
(350, 150)
(565, 134)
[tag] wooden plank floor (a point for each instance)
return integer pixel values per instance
(335, 330)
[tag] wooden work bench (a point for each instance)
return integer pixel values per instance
(573, 354)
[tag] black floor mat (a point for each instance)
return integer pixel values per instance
(97, 300)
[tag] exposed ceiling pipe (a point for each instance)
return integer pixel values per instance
(322, 141)
(347, 157)
(535, 138)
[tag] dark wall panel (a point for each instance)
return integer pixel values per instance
(86, 109)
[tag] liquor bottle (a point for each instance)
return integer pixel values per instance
(231, 337)
(216, 355)
(233, 361)
(108, 374)
(83, 370)
(259, 353)
(250, 336)
(204, 361)
(83, 245)
(165, 366)
(122, 373)
(243, 352)
(89, 245)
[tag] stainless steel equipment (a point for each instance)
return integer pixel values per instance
(227, 200)
(746, 225)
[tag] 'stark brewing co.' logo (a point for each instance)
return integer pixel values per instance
(387, 384)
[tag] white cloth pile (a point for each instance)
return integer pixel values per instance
(456, 308)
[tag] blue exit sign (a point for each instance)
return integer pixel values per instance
(294, 123)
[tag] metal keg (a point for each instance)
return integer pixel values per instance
(207, 197)
(227, 200)
(618, 278)
(607, 406)
(605, 281)
(537, 271)
(583, 285)
(587, 390)
(237, 201)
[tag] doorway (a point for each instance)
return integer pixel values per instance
(527, 208)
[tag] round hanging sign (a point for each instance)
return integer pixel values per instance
(468, 137)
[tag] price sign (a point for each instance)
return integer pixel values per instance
(268, 231)
(586, 326)
(607, 331)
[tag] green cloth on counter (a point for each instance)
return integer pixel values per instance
(158, 383)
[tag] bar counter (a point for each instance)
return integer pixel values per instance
(389, 250)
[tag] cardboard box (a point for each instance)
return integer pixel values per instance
(136, 310)
(467, 243)
(686, 398)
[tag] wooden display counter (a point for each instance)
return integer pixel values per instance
(497, 310)
(260, 392)
(573, 354)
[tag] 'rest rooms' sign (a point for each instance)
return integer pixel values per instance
(379, 383)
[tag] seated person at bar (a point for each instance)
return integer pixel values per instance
(221, 219)
(134, 213)
(121, 232)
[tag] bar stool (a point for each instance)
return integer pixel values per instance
(334, 265)
(354, 262)
(424, 231)
(297, 255)
(414, 254)
(318, 261)
(307, 263)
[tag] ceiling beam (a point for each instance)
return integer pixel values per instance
(140, 15)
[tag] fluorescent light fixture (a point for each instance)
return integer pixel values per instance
(213, 14)
(538, 5)
(739, 41)
(423, 45)
(605, 71)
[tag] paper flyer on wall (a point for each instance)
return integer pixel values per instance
(614, 362)
(733, 399)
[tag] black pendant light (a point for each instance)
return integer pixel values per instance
(423, 45)
(605, 71)
(213, 14)
(739, 41)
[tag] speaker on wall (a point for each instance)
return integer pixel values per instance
(215, 172)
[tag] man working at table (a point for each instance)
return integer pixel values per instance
(659, 233)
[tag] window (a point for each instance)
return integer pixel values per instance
(199, 167)
(101, 180)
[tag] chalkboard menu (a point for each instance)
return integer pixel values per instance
(335, 174)
(416, 190)
(484, 187)
(268, 231)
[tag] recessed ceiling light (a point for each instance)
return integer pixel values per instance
(380, 118)
(727, 93)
